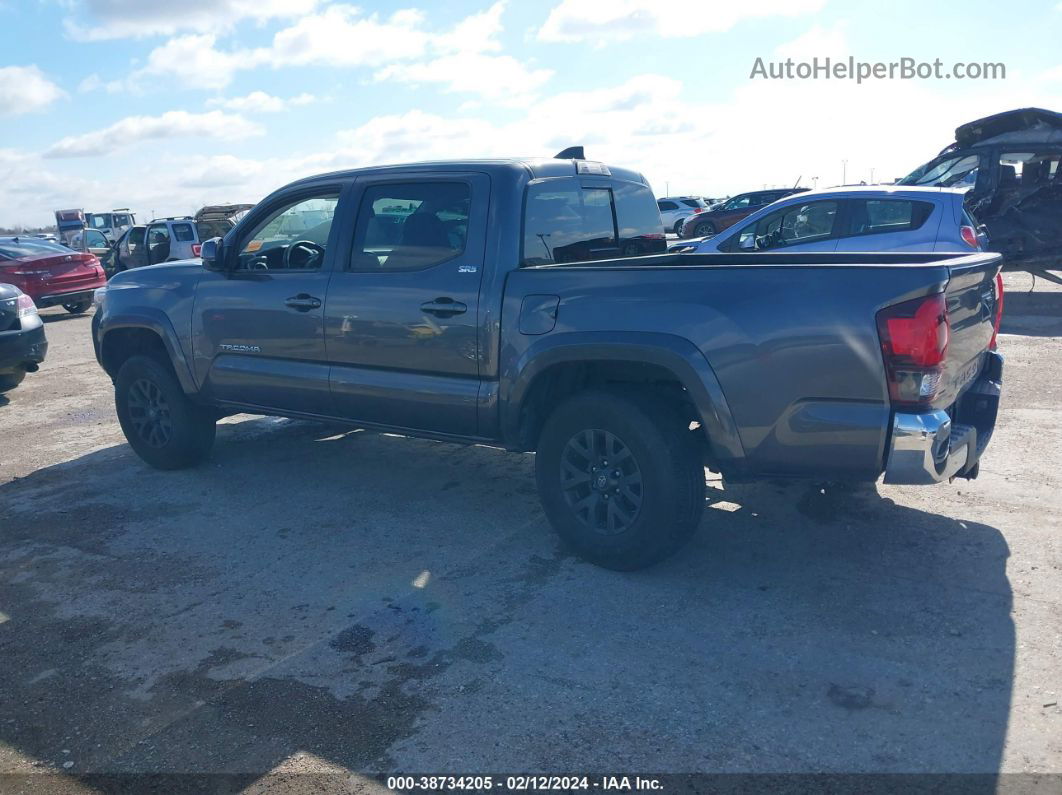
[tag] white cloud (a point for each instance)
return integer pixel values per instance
(221, 171)
(818, 41)
(461, 59)
(115, 19)
(173, 124)
(602, 21)
(341, 36)
(25, 89)
(192, 60)
(261, 102)
(501, 78)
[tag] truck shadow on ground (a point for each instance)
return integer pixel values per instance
(1036, 313)
(322, 600)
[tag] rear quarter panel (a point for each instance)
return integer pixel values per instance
(794, 348)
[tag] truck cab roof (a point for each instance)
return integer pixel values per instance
(531, 167)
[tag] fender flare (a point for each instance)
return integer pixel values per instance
(676, 354)
(154, 320)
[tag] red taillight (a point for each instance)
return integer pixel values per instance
(698, 210)
(914, 343)
(197, 248)
(25, 305)
(969, 236)
(999, 310)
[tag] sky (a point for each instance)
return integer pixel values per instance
(164, 107)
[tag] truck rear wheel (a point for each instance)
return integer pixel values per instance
(161, 424)
(620, 479)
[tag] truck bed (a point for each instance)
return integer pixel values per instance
(790, 340)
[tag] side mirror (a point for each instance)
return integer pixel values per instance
(747, 243)
(213, 254)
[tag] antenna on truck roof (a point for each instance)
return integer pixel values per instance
(571, 153)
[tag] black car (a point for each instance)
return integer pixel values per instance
(22, 341)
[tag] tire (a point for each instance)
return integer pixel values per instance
(611, 524)
(77, 308)
(704, 229)
(161, 424)
(9, 381)
(677, 229)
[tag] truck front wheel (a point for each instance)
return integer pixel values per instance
(161, 424)
(620, 479)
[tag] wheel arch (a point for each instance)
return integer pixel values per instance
(563, 364)
(129, 335)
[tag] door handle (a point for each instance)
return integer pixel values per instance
(443, 307)
(303, 302)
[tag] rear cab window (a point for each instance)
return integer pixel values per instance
(570, 220)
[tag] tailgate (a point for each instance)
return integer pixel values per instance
(971, 301)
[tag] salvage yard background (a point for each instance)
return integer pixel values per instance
(316, 599)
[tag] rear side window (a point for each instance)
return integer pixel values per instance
(567, 222)
(694, 202)
(875, 216)
(209, 229)
(183, 233)
(411, 226)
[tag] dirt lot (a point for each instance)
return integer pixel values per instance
(315, 599)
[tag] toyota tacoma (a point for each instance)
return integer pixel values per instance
(489, 302)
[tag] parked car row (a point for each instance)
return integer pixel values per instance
(171, 239)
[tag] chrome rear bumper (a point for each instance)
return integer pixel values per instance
(930, 447)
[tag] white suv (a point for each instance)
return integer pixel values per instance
(676, 209)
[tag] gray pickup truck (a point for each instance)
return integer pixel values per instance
(527, 304)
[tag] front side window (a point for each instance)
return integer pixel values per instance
(737, 203)
(95, 239)
(796, 224)
(410, 226)
(293, 237)
(666, 206)
(566, 222)
(135, 238)
(873, 216)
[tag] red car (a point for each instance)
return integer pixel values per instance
(49, 273)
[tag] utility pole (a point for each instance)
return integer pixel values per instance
(844, 172)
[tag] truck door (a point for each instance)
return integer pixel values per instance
(401, 317)
(258, 328)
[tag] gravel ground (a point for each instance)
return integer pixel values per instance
(319, 600)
